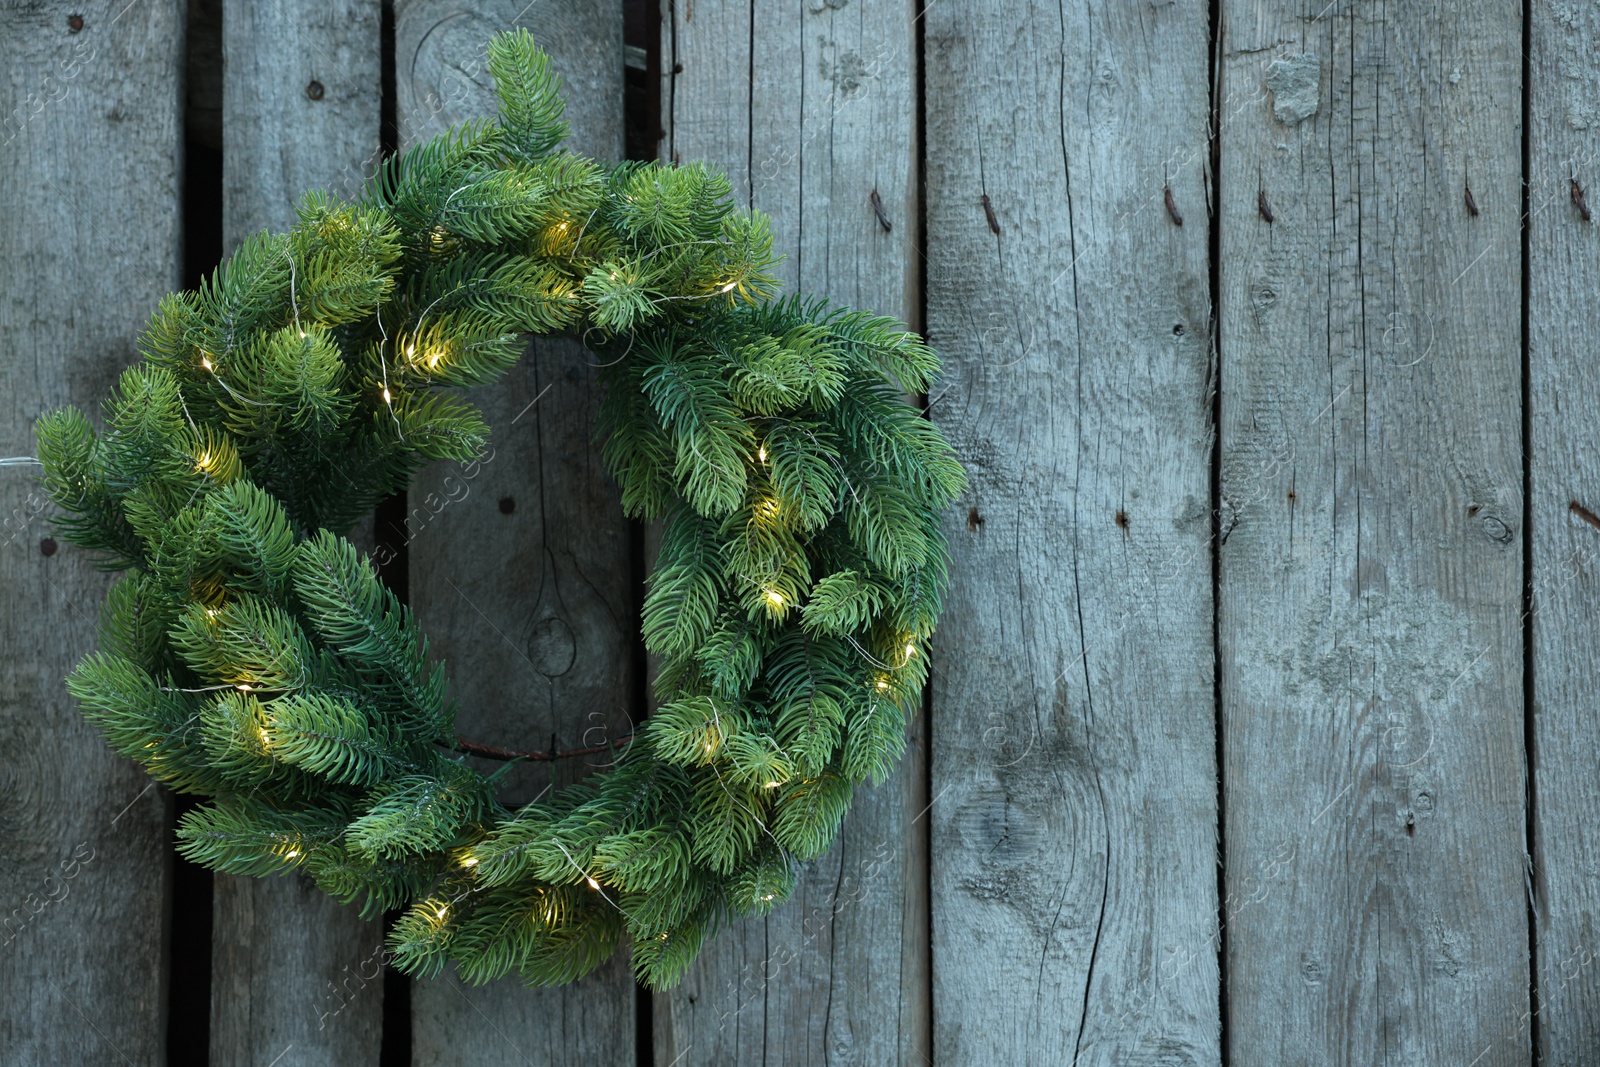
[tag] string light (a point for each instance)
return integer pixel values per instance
(911, 650)
(205, 362)
(470, 861)
(761, 453)
(443, 910)
(729, 287)
(882, 684)
(592, 883)
(767, 897)
(241, 687)
(775, 596)
(773, 785)
(386, 397)
(291, 854)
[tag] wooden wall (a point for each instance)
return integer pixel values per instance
(87, 98)
(1262, 728)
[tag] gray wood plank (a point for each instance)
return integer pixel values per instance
(1564, 401)
(520, 568)
(302, 93)
(1074, 818)
(92, 142)
(294, 974)
(808, 124)
(1371, 564)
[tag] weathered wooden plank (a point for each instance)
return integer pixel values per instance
(520, 566)
(1370, 568)
(91, 137)
(302, 95)
(1563, 118)
(293, 973)
(808, 124)
(1074, 845)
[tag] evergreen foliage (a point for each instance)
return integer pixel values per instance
(251, 655)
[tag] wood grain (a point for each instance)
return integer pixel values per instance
(92, 149)
(1370, 573)
(808, 124)
(520, 564)
(301, 102)
(1074, 832)
(1563, 405)
(293, 973)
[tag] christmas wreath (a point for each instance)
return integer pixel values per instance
(250, 654)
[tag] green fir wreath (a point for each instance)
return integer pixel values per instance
(250, 654)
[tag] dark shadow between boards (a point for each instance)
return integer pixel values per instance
(189, 923)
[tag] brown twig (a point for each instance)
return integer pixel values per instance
(491, 752)
(1585, 514)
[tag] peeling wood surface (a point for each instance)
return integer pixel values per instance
(293, 973)
(1563, 410)
(810, 108)
(1370, 582)
(1074, 777)
(520, 563)
(84, 834)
